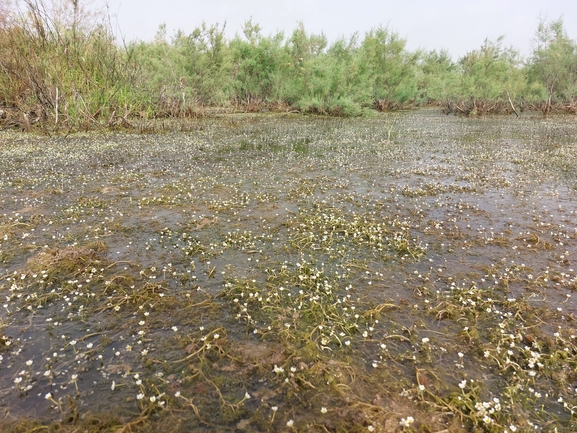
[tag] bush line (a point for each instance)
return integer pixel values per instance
(61, 68)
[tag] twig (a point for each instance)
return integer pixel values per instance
(511, 102)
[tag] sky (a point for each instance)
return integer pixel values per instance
(458, 26)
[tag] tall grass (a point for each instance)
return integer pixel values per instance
(61, 67)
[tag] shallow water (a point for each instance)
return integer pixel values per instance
(174, 225)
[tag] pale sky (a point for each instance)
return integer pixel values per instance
(456, 25)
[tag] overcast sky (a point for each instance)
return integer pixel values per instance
(456, 25)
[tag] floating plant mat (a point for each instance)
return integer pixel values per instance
(407, 273)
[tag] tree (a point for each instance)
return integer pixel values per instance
(491, 71)
(554, 62)
(393, 67)
(438, 75)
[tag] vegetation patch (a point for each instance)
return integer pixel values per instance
(407, 272)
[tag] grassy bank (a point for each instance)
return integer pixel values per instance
(63, 68)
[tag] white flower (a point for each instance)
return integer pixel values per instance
(463, 384)
(290, 423)
(113, 386)
(140, 396)
(406, 422)
(48, 396)
(425, 340)
(323, 410)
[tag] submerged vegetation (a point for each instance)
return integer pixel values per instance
(62, 67)
(284, 273)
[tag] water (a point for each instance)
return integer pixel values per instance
(156, 262)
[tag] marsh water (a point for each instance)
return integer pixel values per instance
(403, 272)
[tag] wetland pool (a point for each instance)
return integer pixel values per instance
(409, 272)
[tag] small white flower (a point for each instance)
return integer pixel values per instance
(323, 410)
(406, 422)
(140, 396)
(290, 423)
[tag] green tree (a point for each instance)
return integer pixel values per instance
(258, 64)
(491, 72)
(437, 76)
(554, 62)
(393, 68)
